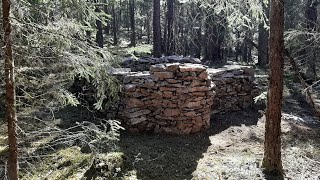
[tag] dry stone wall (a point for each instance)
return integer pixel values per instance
(172, 98)
(235, 88)
(177, 98)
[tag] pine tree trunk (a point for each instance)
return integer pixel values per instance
(10, 93)
(156, 29)
(114, 26)
(107, 27)
(170, 14)
(263, 59)
(99, 35)
(132, 24)
(148, 29)
(311, 17)
(272, 146)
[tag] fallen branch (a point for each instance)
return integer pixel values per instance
(303, 83)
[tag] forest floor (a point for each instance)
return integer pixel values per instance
(231, 149)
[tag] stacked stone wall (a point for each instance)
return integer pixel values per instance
(173, 98)
(178, 98)
(235, 88)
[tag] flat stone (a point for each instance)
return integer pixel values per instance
(149, 83)
(197, 89)
(192, 68)
(190, 114)
(228, 75)
(173, 67)
(163, 75)
(167, 94)
(203, 75)
(138, 113)
(176, 85)
(198, 94)
(134, 102)
(129, 87)
(192, 104)
(248, 70)
(157, 68)
(197, 83)
(167, 89)
(173, 81)
(153, 103)
(137, 120)
(171, 112)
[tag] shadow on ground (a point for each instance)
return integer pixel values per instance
(176, 157)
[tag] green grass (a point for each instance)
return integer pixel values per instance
(67, 163)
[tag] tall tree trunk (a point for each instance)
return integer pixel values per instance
(120, 13)
(10, 93)
(128, 15)
(170, 14)
(132, 24)
(107, 27)
(196, 48)
(215, 36)
(244, 50)
(156, 29)
(114, 26)
(263, 59)
(99, 35)
(238, 45)
(148, 28)
(272, 145)
(311, 17)
(263, 39)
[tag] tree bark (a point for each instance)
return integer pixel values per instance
(148, 28)
(156, 29)
(170, 14)
(114, 26)
(10, 93)
(215, 31)
(311, 15)
(99, 35)
(263, 39)
(272, 146)
(132, 24)
(107, 27)
(263, 59)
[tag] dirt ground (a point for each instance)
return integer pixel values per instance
(231, 149)
(233, 146)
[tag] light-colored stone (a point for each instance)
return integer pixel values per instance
(163, 75)
(137, 120)
(138, 113)
(134, 102)
(192, 68)
(203, 75)
(171, 112)
(129, 87)
(157, 68)
(196, 104)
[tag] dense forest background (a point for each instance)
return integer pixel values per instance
(57, 43)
